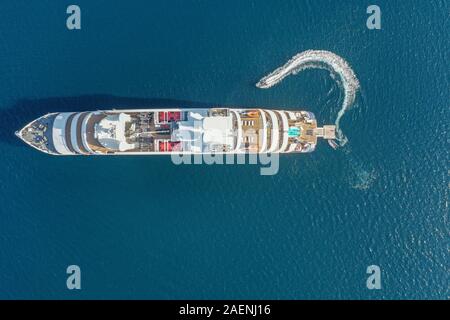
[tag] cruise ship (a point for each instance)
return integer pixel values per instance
(165, 131)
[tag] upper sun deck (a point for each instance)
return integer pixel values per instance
(137, 131)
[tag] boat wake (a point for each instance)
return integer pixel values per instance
(319, 59)
(360, 176)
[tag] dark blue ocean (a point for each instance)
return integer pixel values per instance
(142, 227)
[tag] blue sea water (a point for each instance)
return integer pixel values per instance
(141, 227)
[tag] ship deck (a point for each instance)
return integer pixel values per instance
(90, 133)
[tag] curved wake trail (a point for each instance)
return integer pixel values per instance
(319, 59)
(358, 174)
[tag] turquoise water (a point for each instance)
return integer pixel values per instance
(141, 227)
(294, 132)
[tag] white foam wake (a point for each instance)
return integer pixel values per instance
(319, 59)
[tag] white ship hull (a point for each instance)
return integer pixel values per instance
(168, 131)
